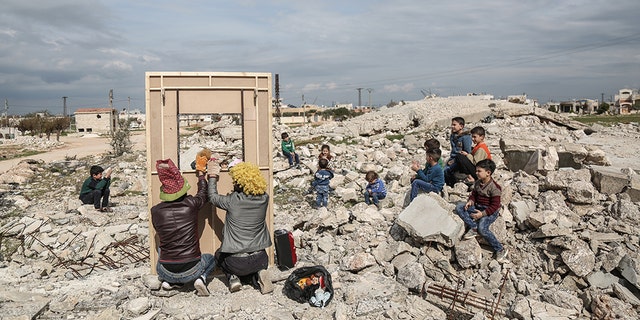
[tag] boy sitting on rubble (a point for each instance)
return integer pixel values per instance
(460, 141)
(289, 150)
(483, 208)
(429, 179)
(467, 161)
(433, 143)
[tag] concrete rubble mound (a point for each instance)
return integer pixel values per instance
(569, 217)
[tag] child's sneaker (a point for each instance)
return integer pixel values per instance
(234, 283)
(171, 286)
(264, 280)
(379, 206)
(501, 256)
(471, 234)
(201, 288)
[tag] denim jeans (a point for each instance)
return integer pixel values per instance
(95, 196)
(418, 185)
(482, 224)
(204, 267)
(322, 196)
(290, 156)
(245, 266)
(372, 197)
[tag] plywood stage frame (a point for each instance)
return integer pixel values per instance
(170, 94)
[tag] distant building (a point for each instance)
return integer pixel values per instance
(137, 117)
(301, 115)
(96, 120)
(624, 101)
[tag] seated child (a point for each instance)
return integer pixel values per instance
(289, 150)
(433, 143)
(321, 181)
(483, 208)
(460, 141)
(429, 179)
(467, 161)
(375, 189)
(95, 189)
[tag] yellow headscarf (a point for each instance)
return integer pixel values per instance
(248, 177)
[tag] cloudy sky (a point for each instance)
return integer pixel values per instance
(322, 50)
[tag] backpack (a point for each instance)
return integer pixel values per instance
(310, 284)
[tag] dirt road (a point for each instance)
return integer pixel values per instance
(79, 146)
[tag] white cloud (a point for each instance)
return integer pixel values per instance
(399, 88)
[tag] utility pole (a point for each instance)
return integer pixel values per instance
(278, 113)
(64, 107)
(111, 98)
(602, 98)
(369, 90)
(359, 96)
(304, 111)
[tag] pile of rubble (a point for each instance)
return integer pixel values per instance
(569, 218)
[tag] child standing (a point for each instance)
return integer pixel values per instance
(429, 179)
(320, 182)
(375, 189)
(289, 150)
(460, 141)
(467, 161)
(483, 207)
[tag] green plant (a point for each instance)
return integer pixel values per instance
(553, 109)
(121, 138)
(609, 119)
(604, 107)
(393, 137)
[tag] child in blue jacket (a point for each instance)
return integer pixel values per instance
(429, 179)
(320, 182)
(375, 189)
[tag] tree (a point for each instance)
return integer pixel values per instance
(604, 107)
(121, 138)
(59, 125)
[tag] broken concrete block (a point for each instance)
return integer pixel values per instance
(529, 309)
(634, 188)
(412, 276)
(468, 253)
(520, 211)
(525, 155)
(625, 294)
(358, 261)
(429, 218)
(559, 180)
(550, 231)
(596, 156)
(571, 156)
(539, 218)
(604, 306)
(601, 280)
(609, 181)
(562, 299)
(630, 269)
(580, 259)
(582, 192)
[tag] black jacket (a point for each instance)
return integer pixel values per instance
(176, 224)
